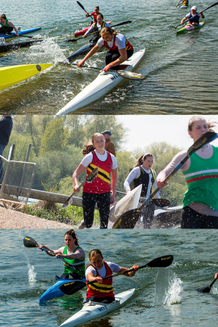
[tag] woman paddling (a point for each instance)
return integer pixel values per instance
(73, 254)
(193, 17)
(102, 289)
(94, 14)
(119, 49)
(96, 28)
(97, 191)
(200, 202)
(145, 175)
(6, 25)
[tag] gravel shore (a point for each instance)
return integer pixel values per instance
(11, 219)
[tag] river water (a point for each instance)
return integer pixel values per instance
(164, 296)
(181, 71)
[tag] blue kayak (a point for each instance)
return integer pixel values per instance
(70, 286)
(13, 34)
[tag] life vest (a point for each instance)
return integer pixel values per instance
(195, 18)
(6, 23)
(95, 27)
(101, 184)
(79, 264)
(101, 290)
(115, 48)
(144, 180)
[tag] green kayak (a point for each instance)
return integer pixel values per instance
(188, 28)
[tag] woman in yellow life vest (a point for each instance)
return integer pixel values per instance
(119, 49)
(98, 191)
(102, 289)
(142, 173)
(6, 26)
(73, 254)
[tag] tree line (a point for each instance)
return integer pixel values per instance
(57, 144)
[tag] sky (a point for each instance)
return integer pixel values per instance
(144, 130)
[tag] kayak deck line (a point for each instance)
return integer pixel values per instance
(11, 75)
(13, 34)
(92, 310)
(103, 84)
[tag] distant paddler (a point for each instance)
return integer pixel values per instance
(193, 17)
(96, 28)
(119, 49)
(184, 3)
(94, 14)
(6, 25)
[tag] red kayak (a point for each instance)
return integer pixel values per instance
(82, 32)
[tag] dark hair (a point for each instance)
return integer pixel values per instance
(140, 160)
(97, 7)
(193, 119)
(3, 16)
(71, 232)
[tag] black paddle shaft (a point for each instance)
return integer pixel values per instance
(207, 288)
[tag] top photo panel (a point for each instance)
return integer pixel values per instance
(72, 57)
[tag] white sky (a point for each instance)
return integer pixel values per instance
(147, 129)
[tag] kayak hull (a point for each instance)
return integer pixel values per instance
(81, 52)
(103, 84)
(14, 46)
(82, 32)
(183, 7)
(54, 291)
(93, 310)
(11, 75)
(13, 34)
(128, 202)
(189, 28)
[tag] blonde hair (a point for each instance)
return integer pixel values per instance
(93, 253)
(108, 30)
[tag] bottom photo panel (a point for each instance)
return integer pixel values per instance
(120, 278)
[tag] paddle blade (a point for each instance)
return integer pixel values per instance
(72, 287)
(161, 202)
(206, 289)
(94, 173)
(130, 75)
(81, 6)
(203, 140)
(128, 219)
(160, 262)
(29, 242)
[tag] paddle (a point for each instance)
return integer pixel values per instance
(90, 178)
(159, 262)
(214, 4)
(158, 202)
(206, 289)
(129, 218)
(81, 37)
(123, 73)
(30, 37)
(81, 6)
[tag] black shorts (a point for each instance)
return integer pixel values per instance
(193, 219)
(114, 55)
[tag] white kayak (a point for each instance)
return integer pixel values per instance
(104, 83)
(128, 202)
(92, 310)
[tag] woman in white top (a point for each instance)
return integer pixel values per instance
(96, 27)
(142, 173)
(97, 191)
(119, 49)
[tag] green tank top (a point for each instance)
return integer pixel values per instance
(202, 180)
(79, 264)
(6, 23)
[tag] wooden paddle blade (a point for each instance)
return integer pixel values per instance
(161, 202)
(130, 75)
(29, 242)
(128, 219)
(70, 288)
(160, 262)
(203, 140)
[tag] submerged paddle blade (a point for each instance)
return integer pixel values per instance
(130, 75)
(128, 219)
(29, 242)
(206, 289)
(70, 288)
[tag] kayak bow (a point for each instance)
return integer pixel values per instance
(92, 310)
(104, 83)
(189, 28)
(11, 75)
(13, 34)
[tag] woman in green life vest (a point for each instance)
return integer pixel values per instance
(200, 201)
(73, 254)
(6, 26)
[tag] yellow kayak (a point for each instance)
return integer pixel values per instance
(11, 75)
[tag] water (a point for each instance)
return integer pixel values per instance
(163, 297)
(181, 71)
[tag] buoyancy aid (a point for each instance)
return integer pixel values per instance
(115, 48)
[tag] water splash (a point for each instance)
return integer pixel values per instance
(173, 294)
(31, 273)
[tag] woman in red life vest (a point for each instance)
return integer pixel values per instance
(119, 49)
(102, 289)
(98, 191)
(94, 14)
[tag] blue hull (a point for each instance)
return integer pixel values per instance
(13, 34)
(55, 291)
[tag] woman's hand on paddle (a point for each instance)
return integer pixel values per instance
(106, 68)
(41, 247)
(79, 64)
(216, 276)
(132, 273)
(59, 255)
